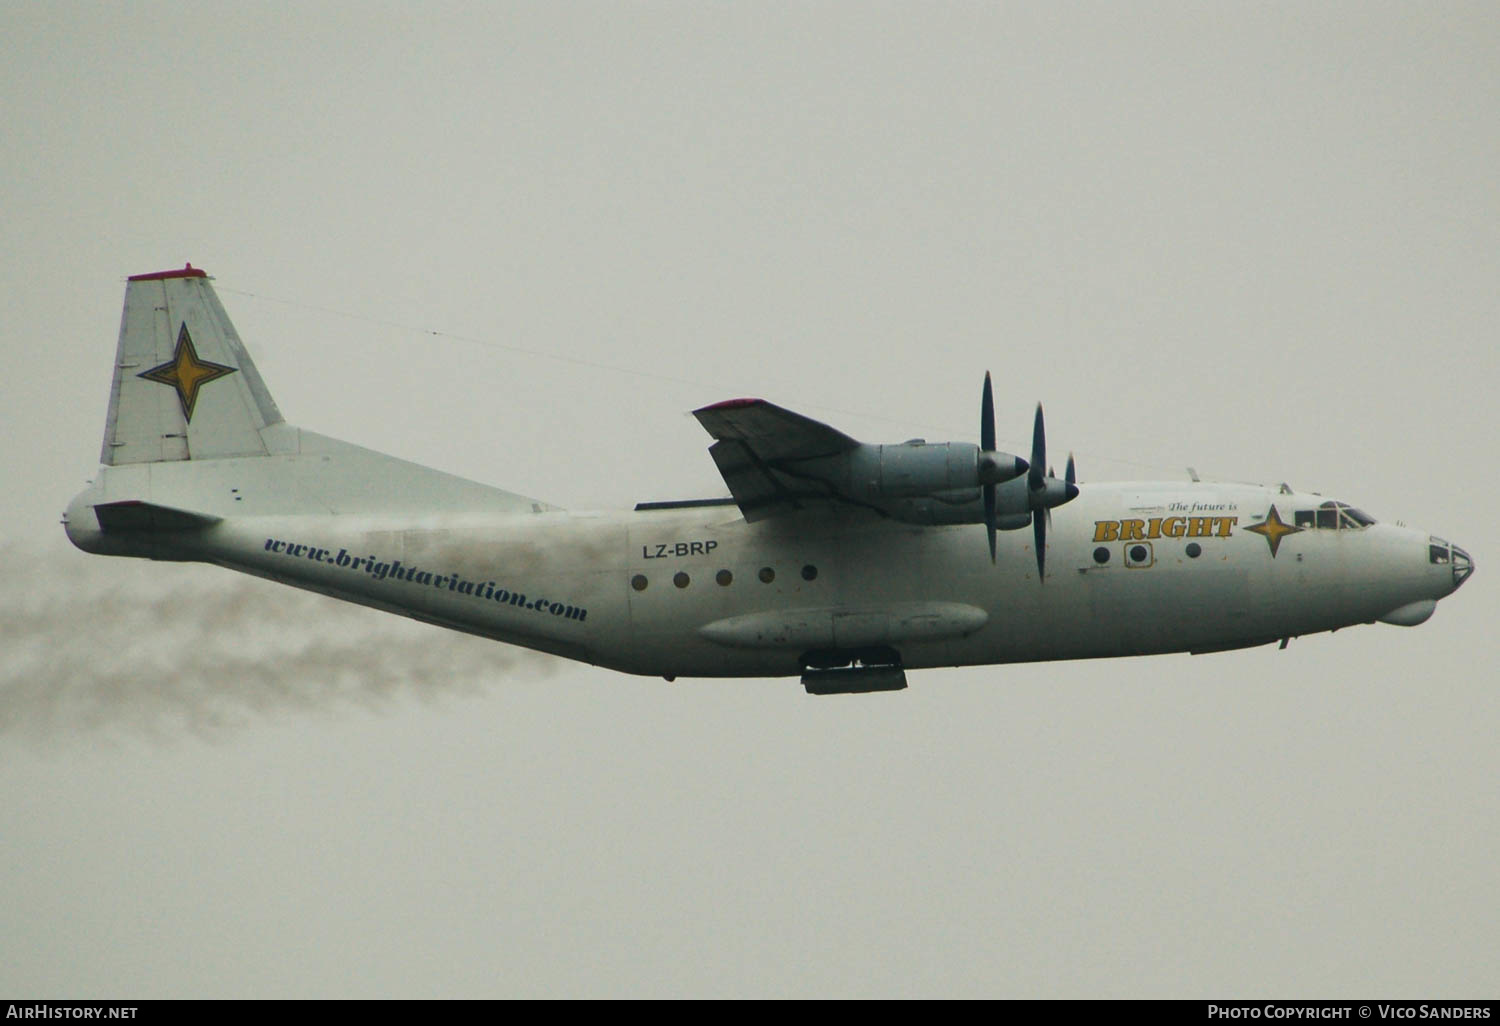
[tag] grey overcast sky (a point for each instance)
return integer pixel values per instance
(518, 242)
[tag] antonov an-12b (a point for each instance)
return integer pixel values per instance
(841, 562)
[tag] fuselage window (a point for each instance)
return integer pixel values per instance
(1194, 550)
(638, 582)
(809, 572)
(680, 579)
(767, 575)
(724, 577)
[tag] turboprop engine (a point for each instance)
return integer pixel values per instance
(961, 483)
(920, 468)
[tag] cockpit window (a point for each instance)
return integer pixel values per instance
(1333, 516)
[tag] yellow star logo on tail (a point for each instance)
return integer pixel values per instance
(186, 373)
(1273, 529)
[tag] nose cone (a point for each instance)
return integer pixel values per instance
(1463, 566)
(1000, 467)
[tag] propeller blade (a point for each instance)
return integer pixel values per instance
(987, 443)
(987, 416)
(1039, 535)
(989, 517)
(1070, 475)
(1038, 452)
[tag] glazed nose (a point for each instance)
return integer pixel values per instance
(1440, 552)
(1463, 566)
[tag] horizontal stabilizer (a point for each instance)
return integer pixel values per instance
(148, 516)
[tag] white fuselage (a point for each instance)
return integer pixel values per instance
(839, 560)
(699, 592)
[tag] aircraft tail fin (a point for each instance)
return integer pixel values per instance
(193, 434)
(177, 347)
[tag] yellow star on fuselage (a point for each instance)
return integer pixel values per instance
(186, 373)
(1273, 529)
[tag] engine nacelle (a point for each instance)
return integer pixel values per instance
(915, 469)
(966, 506)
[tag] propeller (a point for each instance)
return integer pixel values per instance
(994, 468)
(1046, 491)
(1043, 489)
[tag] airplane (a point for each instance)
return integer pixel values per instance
(840, 562)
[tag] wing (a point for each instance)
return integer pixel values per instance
(774, 461)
